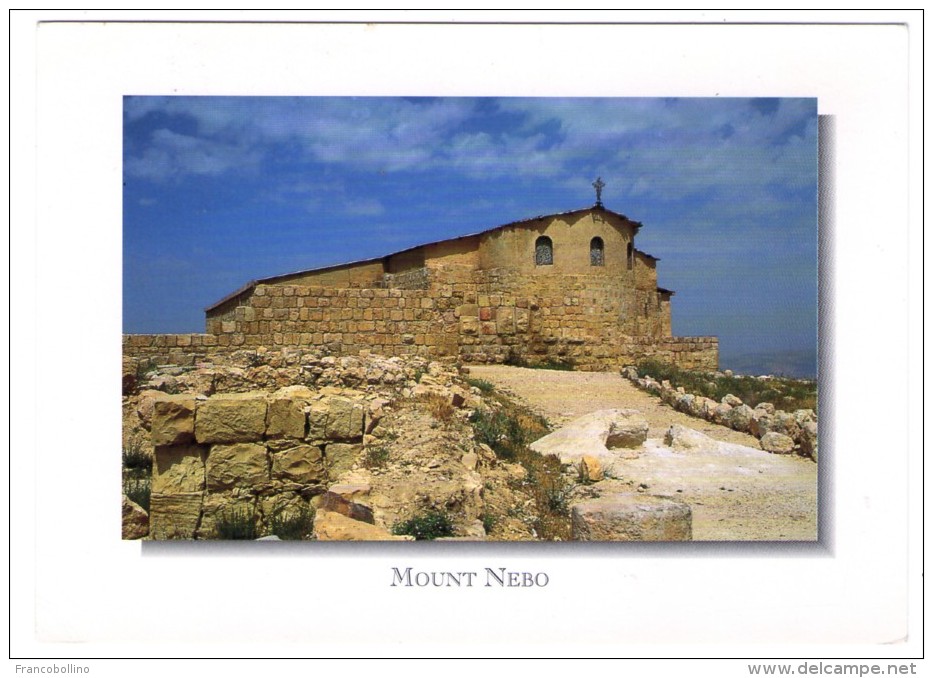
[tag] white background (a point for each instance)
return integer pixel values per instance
(78, 590)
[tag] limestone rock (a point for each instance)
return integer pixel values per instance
(336, 418)
(331, 526)
(469, 460)
(590, 468)
(231, 418)
(632, 517)
(135, 520)
(595, 434)
(172, 420)
(731, 400)
(178, 469)
(740, 417)
(174, 516)
(777, 443)
(340, 457)
(682, 438)
(237, 465)
(721, 414)
(285, 417)
(808, 439)
(145, 405)
(761, 423)
(804, 416)
(768, 408)
(786, 423)
(302, 464)
(357, 492)
(630, 372)
(332, 501)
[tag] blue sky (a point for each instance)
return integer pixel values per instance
(222, 190)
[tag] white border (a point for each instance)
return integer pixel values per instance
(93, 588)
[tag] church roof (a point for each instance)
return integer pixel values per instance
(333, 267)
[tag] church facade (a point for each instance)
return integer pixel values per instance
(569, 287)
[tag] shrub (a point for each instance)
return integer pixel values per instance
(288, 525)
(135, 458)
(547, 363)
(138, 490)
(439, 407)
(427, 525)
(489, 522)
(236, 524)
(376, 456)
(485, 387)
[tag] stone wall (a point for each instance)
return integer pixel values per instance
(256, 454)
(481, 317)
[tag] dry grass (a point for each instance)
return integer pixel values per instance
(439, 407)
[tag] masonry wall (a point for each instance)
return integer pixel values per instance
(485, 317)
(256, 454)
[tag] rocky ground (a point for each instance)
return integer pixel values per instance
(736, 491)
(420, 452)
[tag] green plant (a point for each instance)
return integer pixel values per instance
(135, 458)
(489, 522)
(236, 524)
(783, 392)
(548, 363)
(287, 525)
(430, 524)
(376, 456)
(138, 490)
(557, 495)
(485, 387)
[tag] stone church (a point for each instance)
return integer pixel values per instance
(569, 287)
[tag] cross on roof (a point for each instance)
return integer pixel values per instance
(598, 185)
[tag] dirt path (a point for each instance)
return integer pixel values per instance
(743, 495)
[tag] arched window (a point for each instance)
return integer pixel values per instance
(596, 252)
(544, 251)
(630, 255)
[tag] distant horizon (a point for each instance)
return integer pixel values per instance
(219, 191)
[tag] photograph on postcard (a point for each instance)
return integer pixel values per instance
(472, 319)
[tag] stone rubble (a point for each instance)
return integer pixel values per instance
(799, 427)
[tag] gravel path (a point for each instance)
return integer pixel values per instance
(752, 495)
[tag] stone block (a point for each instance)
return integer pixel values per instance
(172, 419)
(302, 464)
(469, 325)
(174, 516)
(340, 457)
(331, 501)
(237, 465)
(331, 526)
(356, 492)
(632, 517)
(777, 443)
(178, 469)
(135, 520)
(231, 418)
(285, 418)
(344, 419)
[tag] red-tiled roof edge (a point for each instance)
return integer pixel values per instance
(261, 281)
